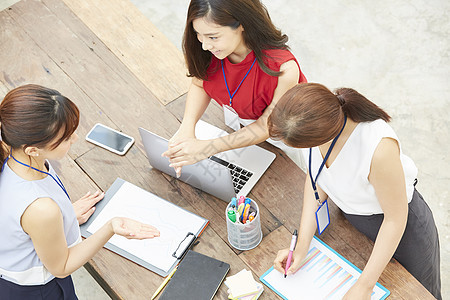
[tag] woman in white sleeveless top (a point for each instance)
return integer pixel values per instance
(40, 242)
(365, 174)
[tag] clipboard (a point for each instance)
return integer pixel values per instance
(169, 250)
(324, 274)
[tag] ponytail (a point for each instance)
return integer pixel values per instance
(309, 114)
(3, 153)
(359, 108)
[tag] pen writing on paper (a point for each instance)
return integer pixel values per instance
(291, 250)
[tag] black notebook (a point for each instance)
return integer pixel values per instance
(198, 277)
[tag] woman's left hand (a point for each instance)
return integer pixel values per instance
(188, 151)
(358, 292)
(85, 207)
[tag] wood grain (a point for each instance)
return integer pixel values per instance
(113, 88)
(137, 43)
(23, 62)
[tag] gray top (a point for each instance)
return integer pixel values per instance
(19, 261)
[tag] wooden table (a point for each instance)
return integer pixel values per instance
(121, 71)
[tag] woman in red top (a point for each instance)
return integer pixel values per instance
(237, 57)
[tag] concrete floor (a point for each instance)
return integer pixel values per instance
(396, 53)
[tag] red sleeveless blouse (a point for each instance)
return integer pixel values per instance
(256, 91)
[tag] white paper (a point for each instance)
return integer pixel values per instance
(242, 283)
(172, 221)
(323, 275)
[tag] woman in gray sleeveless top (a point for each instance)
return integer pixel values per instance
(40, 242)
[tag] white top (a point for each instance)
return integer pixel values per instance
(346, 181)
(19, 262)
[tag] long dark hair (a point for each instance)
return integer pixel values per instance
(309, 114)
(32, 115)
(259, 32)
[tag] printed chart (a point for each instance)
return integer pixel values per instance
(323, 275)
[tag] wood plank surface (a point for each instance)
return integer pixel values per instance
(45, 42)
(23, 61)
(137, 43)
(116, 90)
(68, 170)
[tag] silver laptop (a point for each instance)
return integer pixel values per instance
(225, 175)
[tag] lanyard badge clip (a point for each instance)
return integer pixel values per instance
(316, 194)
(322, 212)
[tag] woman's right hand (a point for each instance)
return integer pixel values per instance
(132, 229)
(279, 263)
(181, 134)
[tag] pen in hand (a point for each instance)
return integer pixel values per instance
(291, 250)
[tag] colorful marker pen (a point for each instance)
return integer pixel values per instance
(232, 216)
(291, 250)
(241, 200)
(245, 213)
(234, 202)
(240, 211)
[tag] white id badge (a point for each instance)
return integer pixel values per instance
(231, 118)
(322, 217)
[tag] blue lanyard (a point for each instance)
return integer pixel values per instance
(314, 182)
(58, 182)
(226, 84)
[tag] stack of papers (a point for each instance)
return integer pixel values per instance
(242, 286)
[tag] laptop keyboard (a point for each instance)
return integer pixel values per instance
(239, 175)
